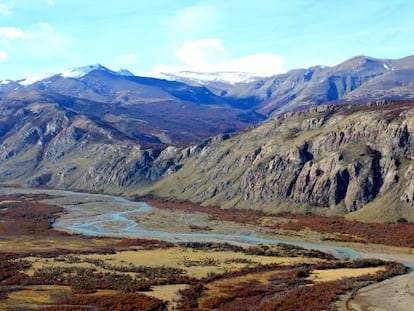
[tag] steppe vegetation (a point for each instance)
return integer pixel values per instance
(42, 268)
(336, 229)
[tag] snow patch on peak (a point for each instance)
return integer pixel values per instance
(200, 77)
(80, 72)
(4, 82)
(74, 73)
(30, 80)
(124, 72)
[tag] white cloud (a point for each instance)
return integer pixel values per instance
(50, 2)
(6, 8)
(33, 47)
(37, 44)
(3, 55)
(202, 54)
(13, 33)
(7, 34)
(130, 56)
(46, 43)
(192, 21)
(210, 55)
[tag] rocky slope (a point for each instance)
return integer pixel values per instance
(332, 160)
(45, 142)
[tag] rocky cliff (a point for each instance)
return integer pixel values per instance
(331, 159)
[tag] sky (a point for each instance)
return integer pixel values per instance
(41, 37)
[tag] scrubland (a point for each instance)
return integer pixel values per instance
(43, 268)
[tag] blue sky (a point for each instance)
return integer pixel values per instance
(38, 37)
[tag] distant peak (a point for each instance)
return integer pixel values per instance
(74, 73)
(80, 72)
(124, 72)
(362, 59)
(4, 82)
(200, 77)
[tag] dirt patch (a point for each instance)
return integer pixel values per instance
(170, 293)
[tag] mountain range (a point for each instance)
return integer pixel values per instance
(337, 140)
(146, 109)
(356, 80)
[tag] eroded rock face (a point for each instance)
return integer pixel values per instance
(327, 157)
(408, 195)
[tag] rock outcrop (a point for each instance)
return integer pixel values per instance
(337, 158)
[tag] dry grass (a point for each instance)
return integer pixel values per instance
(177, 257)
(33, 296)
(25, 243)
(39, 263)
(168, 293)
(103, 292)
(337, 274)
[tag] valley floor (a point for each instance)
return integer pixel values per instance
(192, 264)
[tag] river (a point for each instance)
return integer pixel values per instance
(122, 226)
(106, 215)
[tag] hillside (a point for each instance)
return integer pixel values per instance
(46, 142)
(330, 160)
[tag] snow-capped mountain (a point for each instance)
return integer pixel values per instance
(76, 73)
(188, 77)
(201, 77)
(79, 72)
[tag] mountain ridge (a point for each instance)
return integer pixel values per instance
(334, 160)
(302, 88)
(115, 133)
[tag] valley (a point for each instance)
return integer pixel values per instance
(291, 192)
(199, 246)
(206, 155)
(98, 130)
